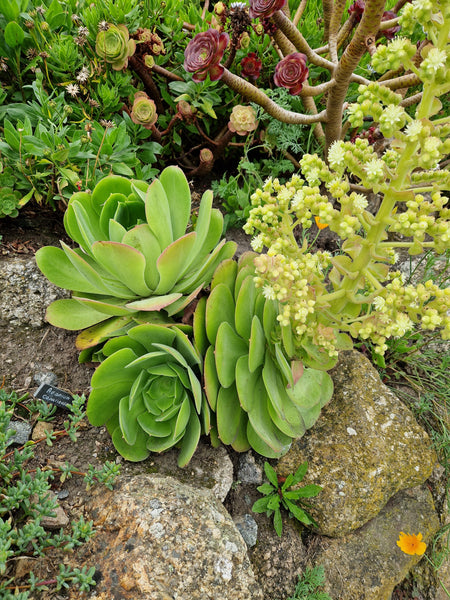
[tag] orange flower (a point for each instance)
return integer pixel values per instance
(319, 224)
(411, 544)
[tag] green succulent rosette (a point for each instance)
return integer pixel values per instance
(148, 393)
(262, 396)
(114, 46)
(134, 256)
(143, 111)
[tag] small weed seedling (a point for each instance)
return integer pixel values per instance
(277, 494)
(308, 585)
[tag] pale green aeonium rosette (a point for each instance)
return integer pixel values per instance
(148, 393)
(134, 255)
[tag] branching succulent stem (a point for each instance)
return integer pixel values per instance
(254, 94)
(349, 61)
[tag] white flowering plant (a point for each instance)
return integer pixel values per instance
(330, 299)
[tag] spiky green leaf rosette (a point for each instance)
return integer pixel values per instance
(134, 254)
(261, 396)
(148, 393)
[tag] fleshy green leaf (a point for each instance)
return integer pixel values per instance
(219, 309)
(211, 381)
(128, 418)
(57, 267)
(108, 305)
(171, 262)
(112, 184)
(142, 238)
(229, 348)
(125, 263)
(229, 415)
(225, 273)
(73, 315)
(96, 334)
(178, 196)
(190, 440)
(246, 384)
(199, 326)
(257, 347)
(158, 215)
(245, 305)
(153, 302)
(135, 452)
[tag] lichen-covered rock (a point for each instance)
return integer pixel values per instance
(367, 564)
(160, 539)
(25, 293)
(365, 447)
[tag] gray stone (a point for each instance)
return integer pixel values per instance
(367, 564)
(45, 377)
(364, 448)
(22, 432)
(161, 539)
(209, 468)
(248, 470)
(25, 293)
(248, 528)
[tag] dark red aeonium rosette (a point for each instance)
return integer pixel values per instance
(291, 73)
(264, 8)
(204, 53)
(251, 66)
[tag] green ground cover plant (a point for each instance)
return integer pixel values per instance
(27, 499)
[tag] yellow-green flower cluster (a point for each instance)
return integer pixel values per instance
(396, 54)
(398, 308)
(425, 217)
(371, 102)
(321, 296)
(295, 284)
(425, 12)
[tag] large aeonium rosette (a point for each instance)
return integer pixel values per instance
(114, 46)
(262, 396)
(204, 53)
(264, 8)
(148, 393)
(291, 73)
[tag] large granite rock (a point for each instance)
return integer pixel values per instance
(365, 447)
(159, 539)
(25, 293)
(367, 564)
